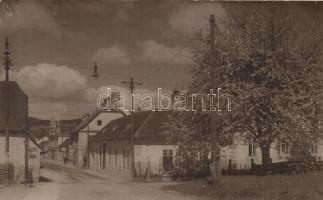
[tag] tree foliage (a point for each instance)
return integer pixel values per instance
(270, 67)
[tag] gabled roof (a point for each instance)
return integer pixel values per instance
(88, 119)
(149, 127)
(120, 128)
(13, 101)
(34, 122)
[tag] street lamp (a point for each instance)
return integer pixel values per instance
(95, 74)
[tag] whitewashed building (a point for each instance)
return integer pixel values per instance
(241, 154)
(76, 146)
(14, 112)
(109, 150)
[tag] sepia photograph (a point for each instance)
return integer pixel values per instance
(161, 100)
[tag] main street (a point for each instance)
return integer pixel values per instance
(72, 184)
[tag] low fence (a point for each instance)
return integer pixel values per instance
(6, 174)
(288, 167)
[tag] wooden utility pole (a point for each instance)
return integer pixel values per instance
(216, 165)
(131, 84)
(27, 157)
(7, 64)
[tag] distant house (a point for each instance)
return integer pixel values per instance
(76, 146)
(59, 132)
(109, 150)
(240, 155)
(39, 128)
(14, 103)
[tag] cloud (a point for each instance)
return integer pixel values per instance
(59, 110)
(189, 17)
(51, 82)
(156, 52)
(54, 91)
(30, 16)
(112, 55)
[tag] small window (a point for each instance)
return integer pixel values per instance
(284, 147)
(252, 150)
(99, 122)
(168, 152)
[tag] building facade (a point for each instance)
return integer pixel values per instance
(14, 112)
(59, 132)
(110, 149)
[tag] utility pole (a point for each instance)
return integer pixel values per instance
(131, 84)
(216, 167)
(7, 64)
(27, 156)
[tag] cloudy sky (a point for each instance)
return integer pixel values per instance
(55, 43)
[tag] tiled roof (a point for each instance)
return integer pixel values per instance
(148, 127)
(121, 128)
(18, 106)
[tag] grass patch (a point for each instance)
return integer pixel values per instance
(275, 187)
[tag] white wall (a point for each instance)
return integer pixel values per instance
(93, 129)
(152, 154)
(106, 118)
(239, 155)
(61, 139)
(17, 157)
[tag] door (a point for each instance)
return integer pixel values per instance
(168, 160)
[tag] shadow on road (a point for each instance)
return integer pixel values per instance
(44, 179)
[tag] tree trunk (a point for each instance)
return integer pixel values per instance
(265, 158)
(216, 165)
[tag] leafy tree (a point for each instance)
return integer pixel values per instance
(270, 68)
(191, 138)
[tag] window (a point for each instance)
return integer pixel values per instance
(314, 149)
(115, 157)
(99, 122)
(252, 150)
(283, 147)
